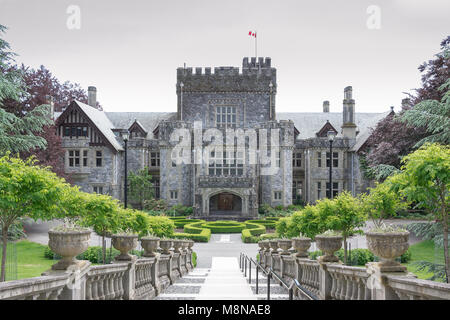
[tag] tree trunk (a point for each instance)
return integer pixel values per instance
(345, 250)
(4, 247)
(103, 248)
(446, 253)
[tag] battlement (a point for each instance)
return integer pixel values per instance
(254, 76)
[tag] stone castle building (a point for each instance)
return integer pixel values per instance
(230, 183)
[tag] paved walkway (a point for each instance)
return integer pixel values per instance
(223, 281)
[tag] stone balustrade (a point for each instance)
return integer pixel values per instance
(335, 281)
(138, 279)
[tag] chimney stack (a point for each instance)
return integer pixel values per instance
(49, 100)
(348, 114)
(326, 106)
(92, 96)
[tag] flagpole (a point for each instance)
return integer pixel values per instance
(256, 46)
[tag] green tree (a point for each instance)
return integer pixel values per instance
(433, 115)
(140, 186)
(27, 190)
(103, 215)
(17, 134)
(343, 214)
(382, 202)
(425, 179)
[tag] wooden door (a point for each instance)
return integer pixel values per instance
(225, 202)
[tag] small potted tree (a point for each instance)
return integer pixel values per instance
(126, 239)
(103, 216)
(70, 239)
(385, 241)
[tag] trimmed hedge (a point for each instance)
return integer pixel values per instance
(194, 231)
(252, 231)
(222, 226)
(180, 223)
(267, 223)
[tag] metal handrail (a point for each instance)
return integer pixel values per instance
(243, 258)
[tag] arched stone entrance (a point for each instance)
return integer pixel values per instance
(225, 203)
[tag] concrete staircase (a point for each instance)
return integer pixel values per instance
(223, 281)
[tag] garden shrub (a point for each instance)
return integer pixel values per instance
(267, 236)
(358, 257)
(180, 210)
(160, 226)
(92, 254)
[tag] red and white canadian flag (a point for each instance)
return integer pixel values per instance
(252, 34)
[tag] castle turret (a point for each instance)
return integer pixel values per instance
(348, 114)
(228, 96)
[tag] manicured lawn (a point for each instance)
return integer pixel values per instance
(424, 251)
(30, 259)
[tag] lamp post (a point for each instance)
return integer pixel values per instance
(125, 136)
(331, 135)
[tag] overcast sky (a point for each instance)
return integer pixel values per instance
(130, 49)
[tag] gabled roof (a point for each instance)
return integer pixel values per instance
(324, 131)
(98, 119)
(308, 123)
(137, 125)
(148, 120)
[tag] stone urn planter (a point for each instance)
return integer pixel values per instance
(261, 245)
(177, 245)
(150, 245)
(388, 246)
(329, 245)
(190, 244)
(68, 244)
(301, 245)
(266, 245)
(165, 245)
(285, 245)
(274, 245)
(185, 245)
(124, 243)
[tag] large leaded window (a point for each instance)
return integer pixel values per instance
(73, 131)
(297, 159)
(154, 159)
(297, 186)
(335, 160)
(78, 158)
(335, 189)
(225, 117)
(226, 163)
